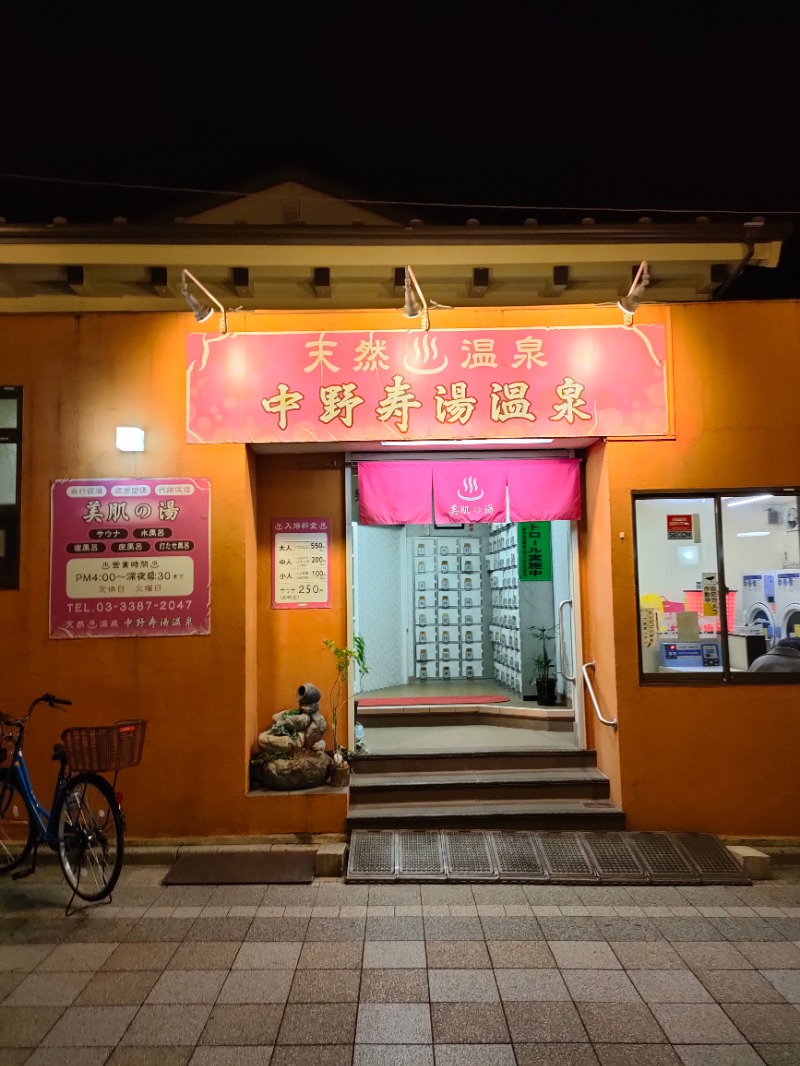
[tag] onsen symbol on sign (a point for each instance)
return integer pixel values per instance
(472, 490)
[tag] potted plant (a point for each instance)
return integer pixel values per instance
(544, 664)
(339, 698)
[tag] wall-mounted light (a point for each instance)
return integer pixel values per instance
(202, 312)
(130, 439)
(629, 303)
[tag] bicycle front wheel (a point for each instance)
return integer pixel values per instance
(90, 831)
(16, 827)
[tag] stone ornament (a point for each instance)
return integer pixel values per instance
(292, 752)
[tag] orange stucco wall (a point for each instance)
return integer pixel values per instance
(717, 758)
(709, 758)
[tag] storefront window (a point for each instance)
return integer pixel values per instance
(718, 585)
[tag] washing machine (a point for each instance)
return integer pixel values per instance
(758, 601)
(787, 601)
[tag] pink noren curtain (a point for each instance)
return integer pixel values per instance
(400, 493)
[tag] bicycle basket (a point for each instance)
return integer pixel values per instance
(105, 747)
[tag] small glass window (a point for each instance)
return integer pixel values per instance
(8, 474)
(10, 479)
(8, 411)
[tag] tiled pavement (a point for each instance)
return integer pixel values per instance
(407, 975)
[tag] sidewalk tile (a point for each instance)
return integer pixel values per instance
(394, 986)
(469, 1023)
(187, 986)
(26, 1026)
(117, 987)
(520, 954)
(47, 990)
(713, 956)
(740, 986)
(457, 954)
(396, 1054)
(557, 1055)
(766, 1022)
(696, 1023)
(620, 1023)
(532, 986)
(475, 1055)
(320, 955)
(230, 1024)
(267, 956)
(787, 982)
(584, 955)
(202, 955)
(669, 986)
(647, 955)
(544, 1023)
(256, 986)
(393, 1023)
(322, 986)
(394, 954)
(462, 986)
(90, 1026)
(600, 986)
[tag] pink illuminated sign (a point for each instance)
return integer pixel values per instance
(607, 381)
(130, 558)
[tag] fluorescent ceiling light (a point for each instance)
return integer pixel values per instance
(749, 499)
(467, 443)
(765, 533)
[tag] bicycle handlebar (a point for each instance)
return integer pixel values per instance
(47, 697)
(54, 701)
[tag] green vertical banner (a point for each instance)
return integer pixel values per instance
(535, 557)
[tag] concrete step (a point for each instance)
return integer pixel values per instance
(477, 761)
(509, 783)
(489, 814)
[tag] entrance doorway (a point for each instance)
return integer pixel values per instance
(458, 621)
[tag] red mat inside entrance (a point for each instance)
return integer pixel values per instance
(429, 701)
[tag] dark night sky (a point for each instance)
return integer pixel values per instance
(571, 105)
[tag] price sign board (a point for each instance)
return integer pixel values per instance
(301, 558)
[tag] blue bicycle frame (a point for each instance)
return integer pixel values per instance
(41, 817)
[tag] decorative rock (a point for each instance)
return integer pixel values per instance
(296, 723)
(292, 752)
(277, 744)
(304, 769)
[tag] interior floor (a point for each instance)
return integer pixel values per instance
(479, 686)
(438, 737)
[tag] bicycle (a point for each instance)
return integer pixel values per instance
(85, 825)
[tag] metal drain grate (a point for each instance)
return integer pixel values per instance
(663, 859)
(371, 855)
(613, 858)
(711, 857)
(565, 858)
(585, 858)
(420, 857)
(518, 858)
(467, 857)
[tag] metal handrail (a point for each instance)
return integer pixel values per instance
(561, 642)
(606, 721)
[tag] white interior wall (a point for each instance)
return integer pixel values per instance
(381, 599)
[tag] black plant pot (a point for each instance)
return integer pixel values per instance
(545, 691)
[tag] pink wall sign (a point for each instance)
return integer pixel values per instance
(408, 385)
(130, 558)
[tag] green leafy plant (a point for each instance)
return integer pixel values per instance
(338, 699)
(543, 662)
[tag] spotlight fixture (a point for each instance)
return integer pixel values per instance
(202, 312)
(415, 305)
(629, 303)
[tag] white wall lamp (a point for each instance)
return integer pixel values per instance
(629, 303)
(202, 312)
(415, 305)
(130, 439)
